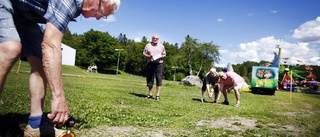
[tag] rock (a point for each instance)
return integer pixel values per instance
(192, 81)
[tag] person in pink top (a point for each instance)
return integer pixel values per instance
(154, 52)
(231, 81)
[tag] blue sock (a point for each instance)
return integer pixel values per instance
(35, 121)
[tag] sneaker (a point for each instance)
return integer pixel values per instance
(45, 131)
(158, 98)
(203, 100)
(237, 105)
(30, 132)
(149, 96)
(225, 102)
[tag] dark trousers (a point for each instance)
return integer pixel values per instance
(154, 69)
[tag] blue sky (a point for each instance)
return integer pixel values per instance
(245, 30)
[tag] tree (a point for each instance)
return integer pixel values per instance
(209, 53)
(68, 38)
(171, 62)
(189, 47)
(97, 48)
(122, 38)
(136, 63)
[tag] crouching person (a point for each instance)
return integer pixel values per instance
(212, 78)
(231, 81)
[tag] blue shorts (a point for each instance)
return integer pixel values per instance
(15, 28)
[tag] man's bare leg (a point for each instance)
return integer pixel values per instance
(9, 55)
(37, 85)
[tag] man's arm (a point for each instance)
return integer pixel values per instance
(52, 59)
(208, 87)
(146, 54)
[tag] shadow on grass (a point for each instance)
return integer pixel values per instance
(198, 99)
(139, 95)
(10, 124)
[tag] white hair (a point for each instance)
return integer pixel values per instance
(222, 74)
(155, 36)
(115, 4)
(213, 70)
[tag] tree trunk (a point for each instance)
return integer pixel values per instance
(189, 64)
(200, 68)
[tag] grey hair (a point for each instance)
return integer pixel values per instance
(213, 70)
(155, 35)
(115, 4)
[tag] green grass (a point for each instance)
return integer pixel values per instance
(114, 105)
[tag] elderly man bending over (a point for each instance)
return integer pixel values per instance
(231, 81)
(212, 78)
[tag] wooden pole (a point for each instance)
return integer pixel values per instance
(290, 85)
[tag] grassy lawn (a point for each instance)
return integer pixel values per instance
(114, 105)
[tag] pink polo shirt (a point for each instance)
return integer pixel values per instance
(151, 49)
(232, 79)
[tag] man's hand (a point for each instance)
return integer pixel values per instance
(51, 59)
(59, 111)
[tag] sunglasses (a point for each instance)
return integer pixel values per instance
(101, 12)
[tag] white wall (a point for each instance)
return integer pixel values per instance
(68, 55)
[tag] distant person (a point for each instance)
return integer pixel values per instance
(89, 69)
(212, 78)
(94, 68)
(21, 36)
(231, 81)
(154, 52)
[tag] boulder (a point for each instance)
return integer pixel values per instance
(192, 81)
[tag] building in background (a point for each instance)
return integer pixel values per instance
(68, 55)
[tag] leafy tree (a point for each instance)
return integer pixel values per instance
(171, 63)
(97, 48)
(209, 53)
(189, 47)
(136, 63)
(122, 38)
(68, 38)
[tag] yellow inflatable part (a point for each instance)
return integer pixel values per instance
(67, 133)
(245, 89)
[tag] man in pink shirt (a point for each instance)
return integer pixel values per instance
(154, 52)
(231, 81)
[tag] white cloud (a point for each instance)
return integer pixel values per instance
(264, 48)
(111, 18)
(223, 51)
(220, 20)
(137, 39)
(273, 11)
(303, 52)
(308, 31)
(250, 14)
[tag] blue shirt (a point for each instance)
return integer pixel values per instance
(57, 12)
